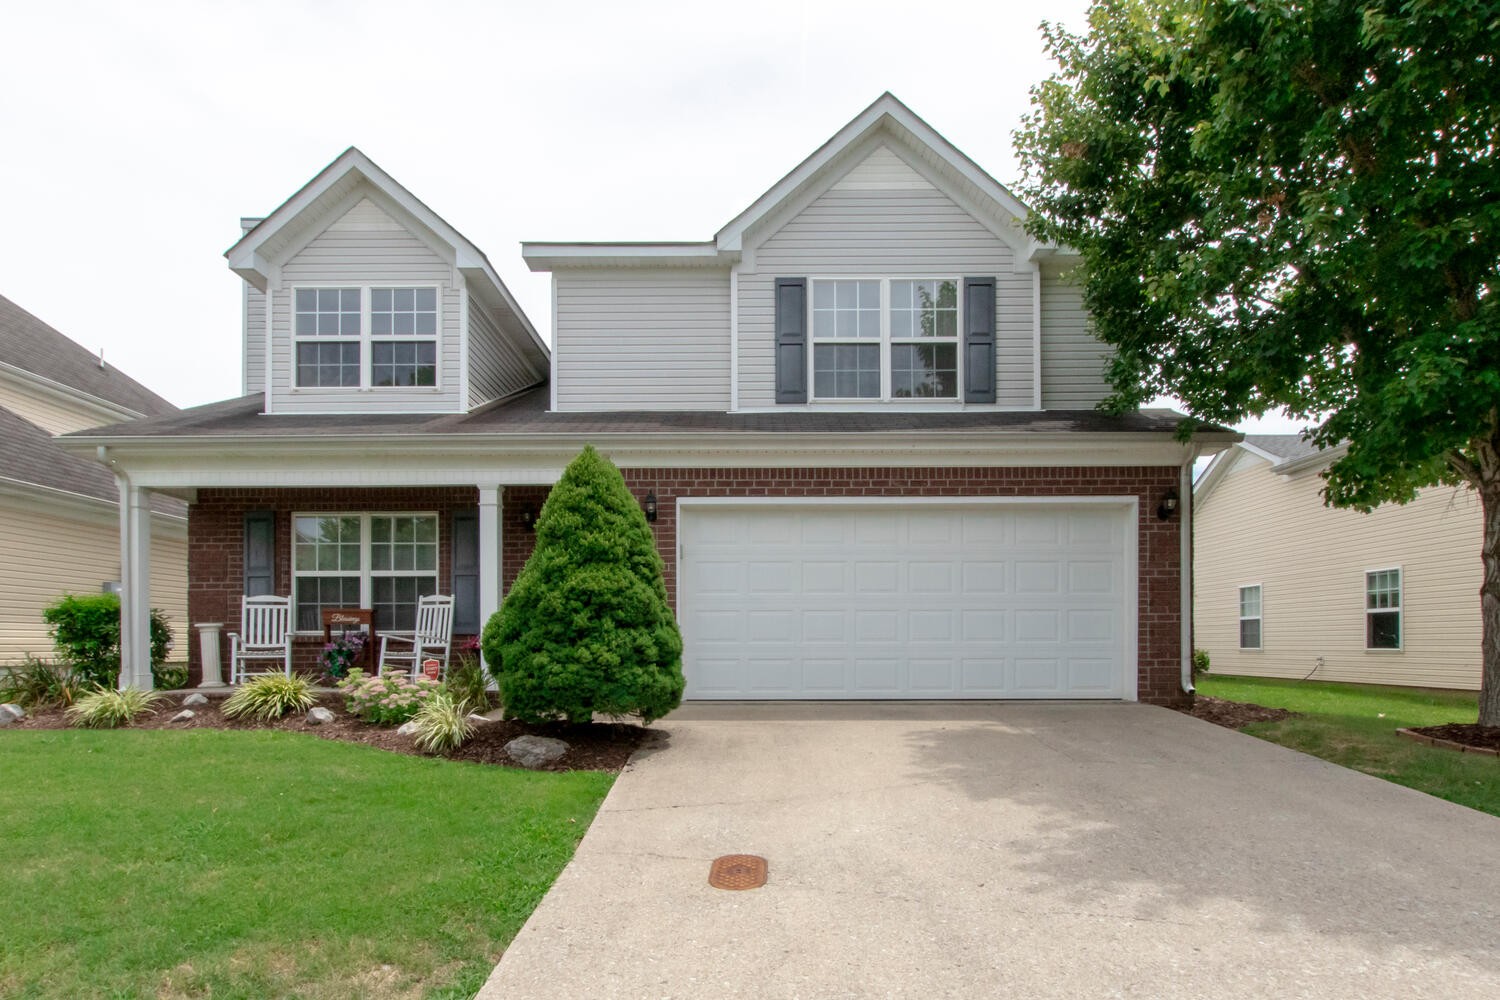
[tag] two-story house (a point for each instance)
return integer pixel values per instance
(860, 418)
(60, 511)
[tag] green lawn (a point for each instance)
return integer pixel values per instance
(259, 864)
(1355, 725)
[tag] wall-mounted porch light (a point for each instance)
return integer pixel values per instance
(650, 507)
(528, 517)
(1168, 505)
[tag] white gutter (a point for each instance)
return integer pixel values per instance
(1185, 558)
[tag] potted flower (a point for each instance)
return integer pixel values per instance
(340, 655)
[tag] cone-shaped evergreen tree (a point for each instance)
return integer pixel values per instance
(587, 628)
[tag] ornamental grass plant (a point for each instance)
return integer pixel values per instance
(270, 696)
(106, 708)
(442, 723)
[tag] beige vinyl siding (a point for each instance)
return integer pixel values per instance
(497, 367)
(1073, 359)
(883, 218)
(1258, 527)
(255, 340)
(50, 412)
(366, 246)
(49, 553)
(646, 339)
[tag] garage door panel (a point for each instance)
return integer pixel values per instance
(853, 601)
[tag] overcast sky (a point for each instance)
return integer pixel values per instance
(136, 135)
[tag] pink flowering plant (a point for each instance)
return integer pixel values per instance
(386, 699)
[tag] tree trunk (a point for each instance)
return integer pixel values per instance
(1489, 607)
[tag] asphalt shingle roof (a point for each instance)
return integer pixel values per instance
(1287, 447)
(28, 454)
(527, 413)
(31, 345)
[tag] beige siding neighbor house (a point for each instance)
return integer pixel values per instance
(1286, 587)
(59, 513)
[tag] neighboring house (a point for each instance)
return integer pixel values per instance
(60, 512)
(862, 415)
(1288, 587)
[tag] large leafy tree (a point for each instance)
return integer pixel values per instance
(1294, 204)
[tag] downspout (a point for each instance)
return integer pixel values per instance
(1185, 557)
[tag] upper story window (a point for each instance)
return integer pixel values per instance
(1383, 609)
(363, 337)
(885, 338)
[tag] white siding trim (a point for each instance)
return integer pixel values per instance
(734, 339)
(463, 343)
(1036, 335)
(553, 354)
(273, 286)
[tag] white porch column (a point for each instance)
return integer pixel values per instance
(490, 498)
(135, 586)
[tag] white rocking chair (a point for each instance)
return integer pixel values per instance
(265, 634)
(432, 639)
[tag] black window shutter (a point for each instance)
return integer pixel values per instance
(260, 552)
(791, 340)
(466, 572)
(979, 340)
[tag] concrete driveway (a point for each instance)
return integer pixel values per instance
(1051, 850)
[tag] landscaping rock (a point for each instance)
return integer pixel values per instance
(186, 715)
(195, 699)
(478, 719)
(11, 712)
(535, 751)
(407, 729)
(318, 716)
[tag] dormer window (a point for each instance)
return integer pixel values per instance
(365, 337)
(885, 338)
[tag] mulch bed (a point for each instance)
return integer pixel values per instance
(1467, 735)
(599, 746)
(1233, 714)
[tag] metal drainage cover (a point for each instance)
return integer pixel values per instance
(738, 871)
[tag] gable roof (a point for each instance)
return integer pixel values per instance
(976, 191)
(1285, 454)
(32, 348)
(252, 257)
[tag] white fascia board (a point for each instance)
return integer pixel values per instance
(1271, 457)
(551, 256)
(109, 413)
(886, 106)
(365, 461)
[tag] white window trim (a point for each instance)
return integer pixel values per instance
(885, 341)
(1400, 609)
(366, 339)
(365, 573)
(1261, 618)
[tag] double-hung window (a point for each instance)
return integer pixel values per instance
(1383, 609)
(1250, 617)
(365, 337)
(380, 561)
(885, 338)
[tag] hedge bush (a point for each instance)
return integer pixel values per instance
(86, 631)
(586, 627)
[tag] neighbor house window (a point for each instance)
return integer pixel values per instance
(365, 337)
(1250, 617)
(885, 338)
(1383, 609)
(380, 561)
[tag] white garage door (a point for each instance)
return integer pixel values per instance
(910, 600)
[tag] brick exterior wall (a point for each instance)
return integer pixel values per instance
(216, 533)
(215, 530)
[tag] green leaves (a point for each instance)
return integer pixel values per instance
(587, 627)
(1287, 205)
